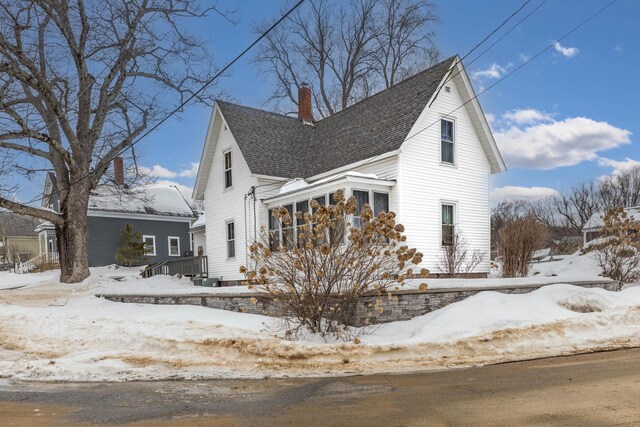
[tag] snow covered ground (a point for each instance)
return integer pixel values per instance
(50, 331)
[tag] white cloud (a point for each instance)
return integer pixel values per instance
(524, 57)
(555, 144)
(618, 166)
(495, 71)
(567, 52)
(158, 171)
(491, 119)
(511, 192)
(526, 116)
(618, 48)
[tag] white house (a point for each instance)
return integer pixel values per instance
(421, 148)
(594, 224)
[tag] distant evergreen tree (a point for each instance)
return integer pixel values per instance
(131, 251)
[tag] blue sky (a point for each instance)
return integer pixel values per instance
(569, 115)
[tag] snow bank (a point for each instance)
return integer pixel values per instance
(75, 336)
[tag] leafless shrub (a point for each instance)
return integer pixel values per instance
(517, 241)
(618, 250)
(318, 278)
(457, 259)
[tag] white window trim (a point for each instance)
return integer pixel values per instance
(169, 244)
(144, 238)
(224, 168)
(227, 240)
(455, 218)
(455, 145)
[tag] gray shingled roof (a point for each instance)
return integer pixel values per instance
(277, 145)
(12, 224)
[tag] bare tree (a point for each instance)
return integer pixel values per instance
(347, 50)
(517, 241)
(79, 82)
(457, 259)
(577, 205)
(618, 250)
(622, 190)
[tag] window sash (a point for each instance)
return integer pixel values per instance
(448, 225)
(447, 141)
(380, 202)
(362, 198)
(228, 178)
(231, 240)
(174, 249)
(149, 245)
(288, 239)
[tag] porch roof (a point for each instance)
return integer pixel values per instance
(345, 180)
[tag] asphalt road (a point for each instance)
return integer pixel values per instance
(595, 389)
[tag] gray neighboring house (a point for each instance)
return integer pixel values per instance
(18, 239)
(159, 212)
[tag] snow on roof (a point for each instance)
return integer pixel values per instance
(199, 223)
(154, 199)
(597, 219)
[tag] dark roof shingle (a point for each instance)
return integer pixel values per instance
(277, 145)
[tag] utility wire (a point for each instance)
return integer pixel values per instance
(190, 98)
(574, 29)
(485, 39)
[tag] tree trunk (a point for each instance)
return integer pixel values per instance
(73, 235)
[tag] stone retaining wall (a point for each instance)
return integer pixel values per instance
(409, 303)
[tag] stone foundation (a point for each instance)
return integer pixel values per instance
(409, 303)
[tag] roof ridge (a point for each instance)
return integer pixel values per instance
(273, 113)
(411, 77)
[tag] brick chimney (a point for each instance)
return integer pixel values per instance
(304, 103)
(118, 171)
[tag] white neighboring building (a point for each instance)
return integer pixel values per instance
(428, 158)
(592, 227)
(198, 234)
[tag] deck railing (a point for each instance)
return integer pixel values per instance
(196, 266)
(27, 266)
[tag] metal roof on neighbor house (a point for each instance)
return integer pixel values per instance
(277, 145)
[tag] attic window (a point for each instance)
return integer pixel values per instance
(228, 177)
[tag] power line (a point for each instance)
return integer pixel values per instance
(574, 29)
(190, 98)
(492, 45)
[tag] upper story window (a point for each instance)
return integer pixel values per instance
(228, 177)
(448, 225)
(446, 141)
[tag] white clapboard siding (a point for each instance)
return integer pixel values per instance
(224, 205)
(424, 183)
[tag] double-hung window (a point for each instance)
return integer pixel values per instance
(448, 225)
(149, 245)
(446, 141)
(174, 246)
(231, 240)
(228, 176)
